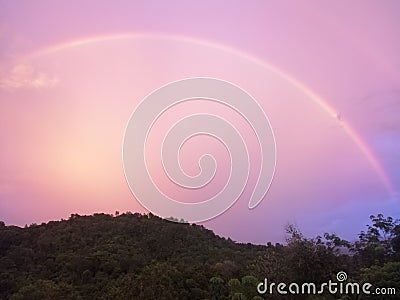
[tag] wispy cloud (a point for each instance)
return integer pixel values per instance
(24, 76)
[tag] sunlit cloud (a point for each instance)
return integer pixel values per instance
(24, 76)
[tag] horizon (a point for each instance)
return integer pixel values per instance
(285, 232)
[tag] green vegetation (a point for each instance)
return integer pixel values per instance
(134, 256)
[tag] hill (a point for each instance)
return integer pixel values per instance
(134, 256)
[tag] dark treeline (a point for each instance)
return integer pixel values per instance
(134, 256)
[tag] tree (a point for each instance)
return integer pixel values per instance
(396, 240)
(249, 286)
(307, 259)
(244, 289)
(45, 290)
(239, 296)
(160, 281)
(217, 288)
(376, 245)
(386, 276)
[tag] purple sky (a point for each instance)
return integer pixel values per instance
(327, 74)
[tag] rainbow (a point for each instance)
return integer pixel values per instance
(318, 100)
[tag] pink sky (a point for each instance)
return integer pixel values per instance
(71, 74)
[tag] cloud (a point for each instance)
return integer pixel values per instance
(24, 76)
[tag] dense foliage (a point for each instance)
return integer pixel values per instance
(134, 256)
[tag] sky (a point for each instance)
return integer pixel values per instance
(326, 74)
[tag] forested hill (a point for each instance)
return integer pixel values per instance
(108, 257)
(134, 256)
